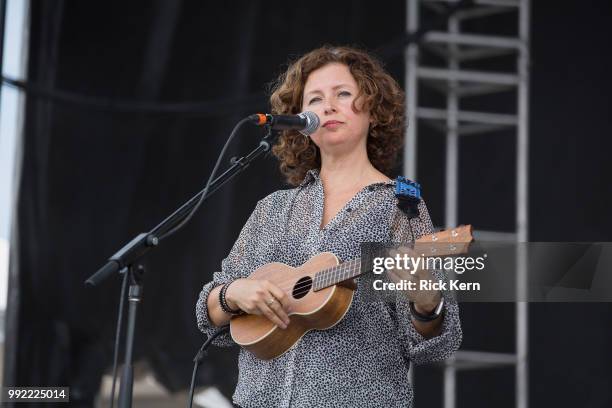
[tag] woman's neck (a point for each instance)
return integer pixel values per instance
(350, 171)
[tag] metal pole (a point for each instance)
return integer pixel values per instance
(522, 207)
(411, 56)
(452, 124)
(452, 179)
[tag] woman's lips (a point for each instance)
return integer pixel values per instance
(332, 124)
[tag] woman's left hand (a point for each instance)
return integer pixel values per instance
(425, 300)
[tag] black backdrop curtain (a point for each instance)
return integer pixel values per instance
(94, 176)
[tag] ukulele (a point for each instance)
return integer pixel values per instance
(320, 293)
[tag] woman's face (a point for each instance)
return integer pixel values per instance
(330, 92)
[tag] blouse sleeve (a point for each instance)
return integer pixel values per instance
(419, 349)
(232, 267)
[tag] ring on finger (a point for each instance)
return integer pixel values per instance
(270, 301)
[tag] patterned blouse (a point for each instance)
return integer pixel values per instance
(363, 360)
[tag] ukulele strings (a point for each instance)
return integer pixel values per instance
(304, 287)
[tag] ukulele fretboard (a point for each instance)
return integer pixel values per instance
(339, 273)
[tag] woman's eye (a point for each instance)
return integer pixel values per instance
(344, 93)
(314, 100)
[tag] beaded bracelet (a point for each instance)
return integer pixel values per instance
(223, 302)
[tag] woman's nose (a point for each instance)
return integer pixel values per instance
(329, 109)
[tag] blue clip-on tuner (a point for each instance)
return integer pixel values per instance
(408, 195)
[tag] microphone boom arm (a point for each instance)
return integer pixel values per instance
(143, 242)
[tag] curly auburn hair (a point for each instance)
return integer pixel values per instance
(382, 97)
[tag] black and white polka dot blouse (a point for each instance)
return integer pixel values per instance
(363, 360)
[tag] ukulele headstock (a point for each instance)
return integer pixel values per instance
(448, 242)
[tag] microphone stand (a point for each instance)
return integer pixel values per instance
(123, 261)
(134, 295)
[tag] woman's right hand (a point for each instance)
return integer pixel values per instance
(255, 296)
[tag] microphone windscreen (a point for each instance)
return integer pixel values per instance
(312, 123)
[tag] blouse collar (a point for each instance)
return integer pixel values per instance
(313, 175)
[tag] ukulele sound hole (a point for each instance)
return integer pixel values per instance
(302, 287)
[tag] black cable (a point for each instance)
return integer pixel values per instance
(204, 108)
(118, 336)
(205, 191)
(185, 220)
(197, 360)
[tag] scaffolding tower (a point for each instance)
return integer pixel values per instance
(456, 83)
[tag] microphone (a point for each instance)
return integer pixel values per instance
(306, 122)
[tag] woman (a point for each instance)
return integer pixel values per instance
(342, 197)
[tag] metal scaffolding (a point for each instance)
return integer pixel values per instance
(456, 48)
